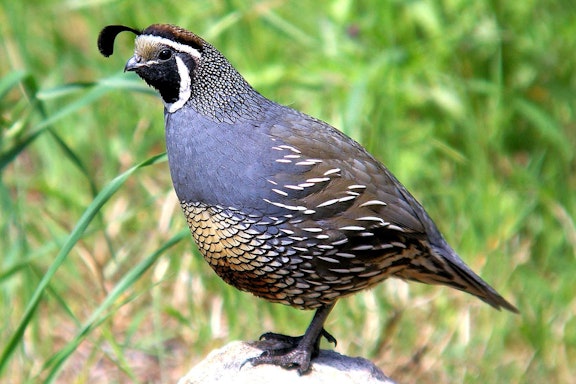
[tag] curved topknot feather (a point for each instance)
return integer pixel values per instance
(108, 35)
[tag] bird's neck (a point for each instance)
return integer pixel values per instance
(221, 94)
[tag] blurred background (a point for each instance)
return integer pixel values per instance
(470, 103)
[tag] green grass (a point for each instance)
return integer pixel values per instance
(470, 104)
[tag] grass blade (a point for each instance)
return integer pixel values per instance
(76, 234)
(96, 318)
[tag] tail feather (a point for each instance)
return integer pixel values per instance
(443, 266)
(476, 286)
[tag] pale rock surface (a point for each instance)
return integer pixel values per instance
(226, 365)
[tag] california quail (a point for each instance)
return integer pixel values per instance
(281, 204)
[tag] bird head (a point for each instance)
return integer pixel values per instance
(165, 56)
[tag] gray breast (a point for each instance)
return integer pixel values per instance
(229, 165)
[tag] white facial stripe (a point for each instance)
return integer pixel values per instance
(177, 46)
(185, 87)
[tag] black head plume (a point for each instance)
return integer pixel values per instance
(108, 35)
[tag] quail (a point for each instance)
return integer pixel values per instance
(281, 204)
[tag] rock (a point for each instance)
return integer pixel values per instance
(226, 365)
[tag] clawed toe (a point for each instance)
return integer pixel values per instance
(296, 358)
(329, 337)
(294, 340)
(294, 352)
(278, 337)
(288, 351)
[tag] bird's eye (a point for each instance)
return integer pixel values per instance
(165, 54)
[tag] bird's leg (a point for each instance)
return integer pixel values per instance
(295, 352)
